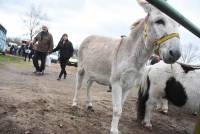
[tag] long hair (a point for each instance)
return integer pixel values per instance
(61, 39)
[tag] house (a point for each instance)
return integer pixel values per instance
(3, 44)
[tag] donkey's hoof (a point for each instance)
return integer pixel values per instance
(109, 90)
(147, 125)
(74, 107)
(90, 109)
(164, 112)
(194, 113)
(159, 109)
(114, 132)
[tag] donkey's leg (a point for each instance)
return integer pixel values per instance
(117, 107)
(89, 101)
(124, 95)
(149, 107)
(159, 105)
(164, 106)
(79, 79)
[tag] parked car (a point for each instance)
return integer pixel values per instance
(54, 57)
(73, 61)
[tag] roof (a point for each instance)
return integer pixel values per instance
(3, 29)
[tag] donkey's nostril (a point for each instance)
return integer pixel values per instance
(171, 53)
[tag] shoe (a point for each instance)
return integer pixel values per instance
(58, 78)
(42, 73)
(109, 90)
(36, 72)
(65, 76)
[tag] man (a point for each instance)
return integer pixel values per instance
(44, 45)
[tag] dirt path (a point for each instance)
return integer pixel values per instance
(31, 104)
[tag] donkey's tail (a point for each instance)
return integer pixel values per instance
(143, 94)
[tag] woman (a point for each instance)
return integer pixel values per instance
(66, 50)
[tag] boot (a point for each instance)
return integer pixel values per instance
(60, 76)
(65, 75)
(110, 89)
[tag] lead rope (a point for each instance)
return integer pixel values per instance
(172, 71)
(116, 53)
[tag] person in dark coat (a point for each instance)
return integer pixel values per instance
(11, 49)
(66, 50)
(28, 51)
(44, 45)
(154, 59)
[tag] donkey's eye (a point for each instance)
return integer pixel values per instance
(160, 22)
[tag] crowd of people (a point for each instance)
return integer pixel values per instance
(25, 50)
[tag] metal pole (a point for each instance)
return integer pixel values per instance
(197, 127)
(163, 6)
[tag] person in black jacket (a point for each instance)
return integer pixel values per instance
(154, 59)
(66, 50)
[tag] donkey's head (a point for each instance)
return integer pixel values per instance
(161, 33)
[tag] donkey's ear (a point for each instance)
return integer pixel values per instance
(146, 6)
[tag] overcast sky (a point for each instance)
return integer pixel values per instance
(80, 18)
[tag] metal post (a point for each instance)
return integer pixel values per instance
(197, 127)
(163, 6)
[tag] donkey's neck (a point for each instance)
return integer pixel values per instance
(130, 57)
(139, 52)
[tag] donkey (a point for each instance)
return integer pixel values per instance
(179, 84)
(119, 62)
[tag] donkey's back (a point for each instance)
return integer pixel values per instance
(95, 57)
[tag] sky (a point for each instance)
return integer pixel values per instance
(80, 18)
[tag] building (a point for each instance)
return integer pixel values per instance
(3, 44)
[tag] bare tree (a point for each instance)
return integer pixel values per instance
(13, 40)
(190, 54)
(33, 19)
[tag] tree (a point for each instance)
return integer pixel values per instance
(13, 40)
(190, 54)
(33, 19)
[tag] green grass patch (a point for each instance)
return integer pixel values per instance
(12, 59)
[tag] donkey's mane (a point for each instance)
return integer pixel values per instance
(137, 24)
(188, 65)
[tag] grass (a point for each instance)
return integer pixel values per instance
(12, 59)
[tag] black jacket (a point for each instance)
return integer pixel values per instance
(65, 50)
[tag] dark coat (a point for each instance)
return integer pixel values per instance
(154, 60)
(45, 42)
(65, 50)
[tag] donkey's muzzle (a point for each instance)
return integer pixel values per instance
(173, 56)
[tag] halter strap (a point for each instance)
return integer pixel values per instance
(165, 38)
